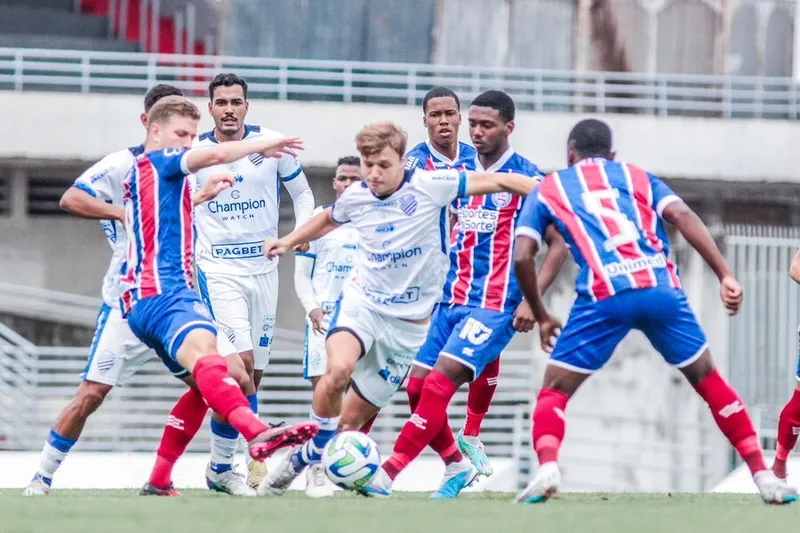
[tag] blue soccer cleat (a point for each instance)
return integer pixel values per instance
(457, 477)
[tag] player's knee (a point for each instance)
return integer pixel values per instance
(338, 376)
(90, 397)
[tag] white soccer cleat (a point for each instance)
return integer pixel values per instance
(773, 489)
(37, 487)
(256, 472)
(544, 486)
(317, 484)
(279, 479)
(229, 482)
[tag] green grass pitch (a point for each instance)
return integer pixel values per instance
(202, 511)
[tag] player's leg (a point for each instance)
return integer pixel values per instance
(588, 340)
(788, 429)
(350, 337)
(479, 398)
(670, 325)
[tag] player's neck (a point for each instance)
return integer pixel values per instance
(493, 157)
(221, 137)
(450, 151)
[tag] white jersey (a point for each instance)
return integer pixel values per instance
(403, 240)
(334, 257)
(232, 227)
(103, 180)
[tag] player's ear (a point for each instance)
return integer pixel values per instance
(425, 120)
(209, 107)
(612, 155)
(246, 107)
(143, 119)
(510, 127)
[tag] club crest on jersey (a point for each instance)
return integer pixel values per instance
(256, 159)
(408, 204)
(501, 199)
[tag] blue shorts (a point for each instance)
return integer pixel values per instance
(594, 329)
(471, 335)
(162, 322)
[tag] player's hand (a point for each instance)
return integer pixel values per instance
(215, 185)
(286, 145)
(274, 247)
(731, 294)
(302, 248)
(523, 317)
(316, 316)
(549, 330)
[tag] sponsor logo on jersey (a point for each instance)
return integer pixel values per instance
(235, 210)
(383, 298)
(394, 256)
(635, 265)
(350, 246)
(477, 219)
(385, 228)
(240, 250)
(238, 178)
(411, 162)
(100, 175)
(335, 268)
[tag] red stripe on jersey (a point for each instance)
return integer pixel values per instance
(187, 232)
(464, 259)
(557, 199)
(643, 194)
(500, 258)
(429, 163)
(148, 226)
(629, 251)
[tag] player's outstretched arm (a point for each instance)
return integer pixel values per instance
(82, 204)
(490, 183)
(557, 253)
(525, 249)
(794, 268)
(319, 226)
(224, 153)
(692, 228)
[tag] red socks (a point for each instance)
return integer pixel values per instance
(443, 443)
(549, 424)
(224, 396)
(481, 392)
(182, 425)
(731, 416)
(424, 425)
(788, 426)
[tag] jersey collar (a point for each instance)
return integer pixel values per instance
(497, 164)
(590, 160)
(211, 135)
(443, 158)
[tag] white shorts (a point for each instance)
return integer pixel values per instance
(315, 358)
(244, 310)
(116, 353)
(388, 348)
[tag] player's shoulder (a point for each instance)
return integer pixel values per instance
(522, 165)
(416, 157)
(466, 151)
(124, 158)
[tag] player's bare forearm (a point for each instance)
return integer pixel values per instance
(224, 153)
(84, 205)
(317, 227)
(794, 268)
(525, 250)
(490, 183)
(695, 232)
(553, 260)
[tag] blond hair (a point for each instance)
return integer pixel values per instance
(168, 106)
(376, 136)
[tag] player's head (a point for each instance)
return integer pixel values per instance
(441, 110)
(154, 95)
(382, 145)
(589, 138)
(491, 121)
(172, 123)
(228, 104)
(348, 171)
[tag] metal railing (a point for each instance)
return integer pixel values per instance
(44, 304)
(405, 83)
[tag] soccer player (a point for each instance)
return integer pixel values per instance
(482, 305)
(611, 215)
(115, 354)
(162, 309)
(318, 279)
(382, 316)
(789, 421)
(237, 282)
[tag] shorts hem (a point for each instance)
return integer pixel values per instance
(693, 358)
(109, 382)
(350, 331)
(184, 330)
(572, 368)
(357, 390)
(460, 360)
(422, 365)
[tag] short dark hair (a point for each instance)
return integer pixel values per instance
(349, 160)
(439, 92)
(497, 100)
(228, 79)
(157, 93)
(591, 137)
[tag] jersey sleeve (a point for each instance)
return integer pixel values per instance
(104, 179)
(663, 195)
(533, 219)
(289, 168)
(170, 163)
(443, 186)
(413, 161)
(340, 210)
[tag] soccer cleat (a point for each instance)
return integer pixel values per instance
(544, 485)
(774, 490)
(457, 477)
(380, 486)
(278, 480)
(37, 487)
(472, 447)
(317, 485)
(256, 472)
(151, 490)
(229, 482)
(273, 439)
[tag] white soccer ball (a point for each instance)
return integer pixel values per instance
(351, 459)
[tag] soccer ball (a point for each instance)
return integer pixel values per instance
(351, 459)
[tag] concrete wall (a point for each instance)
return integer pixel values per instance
(86, 127)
